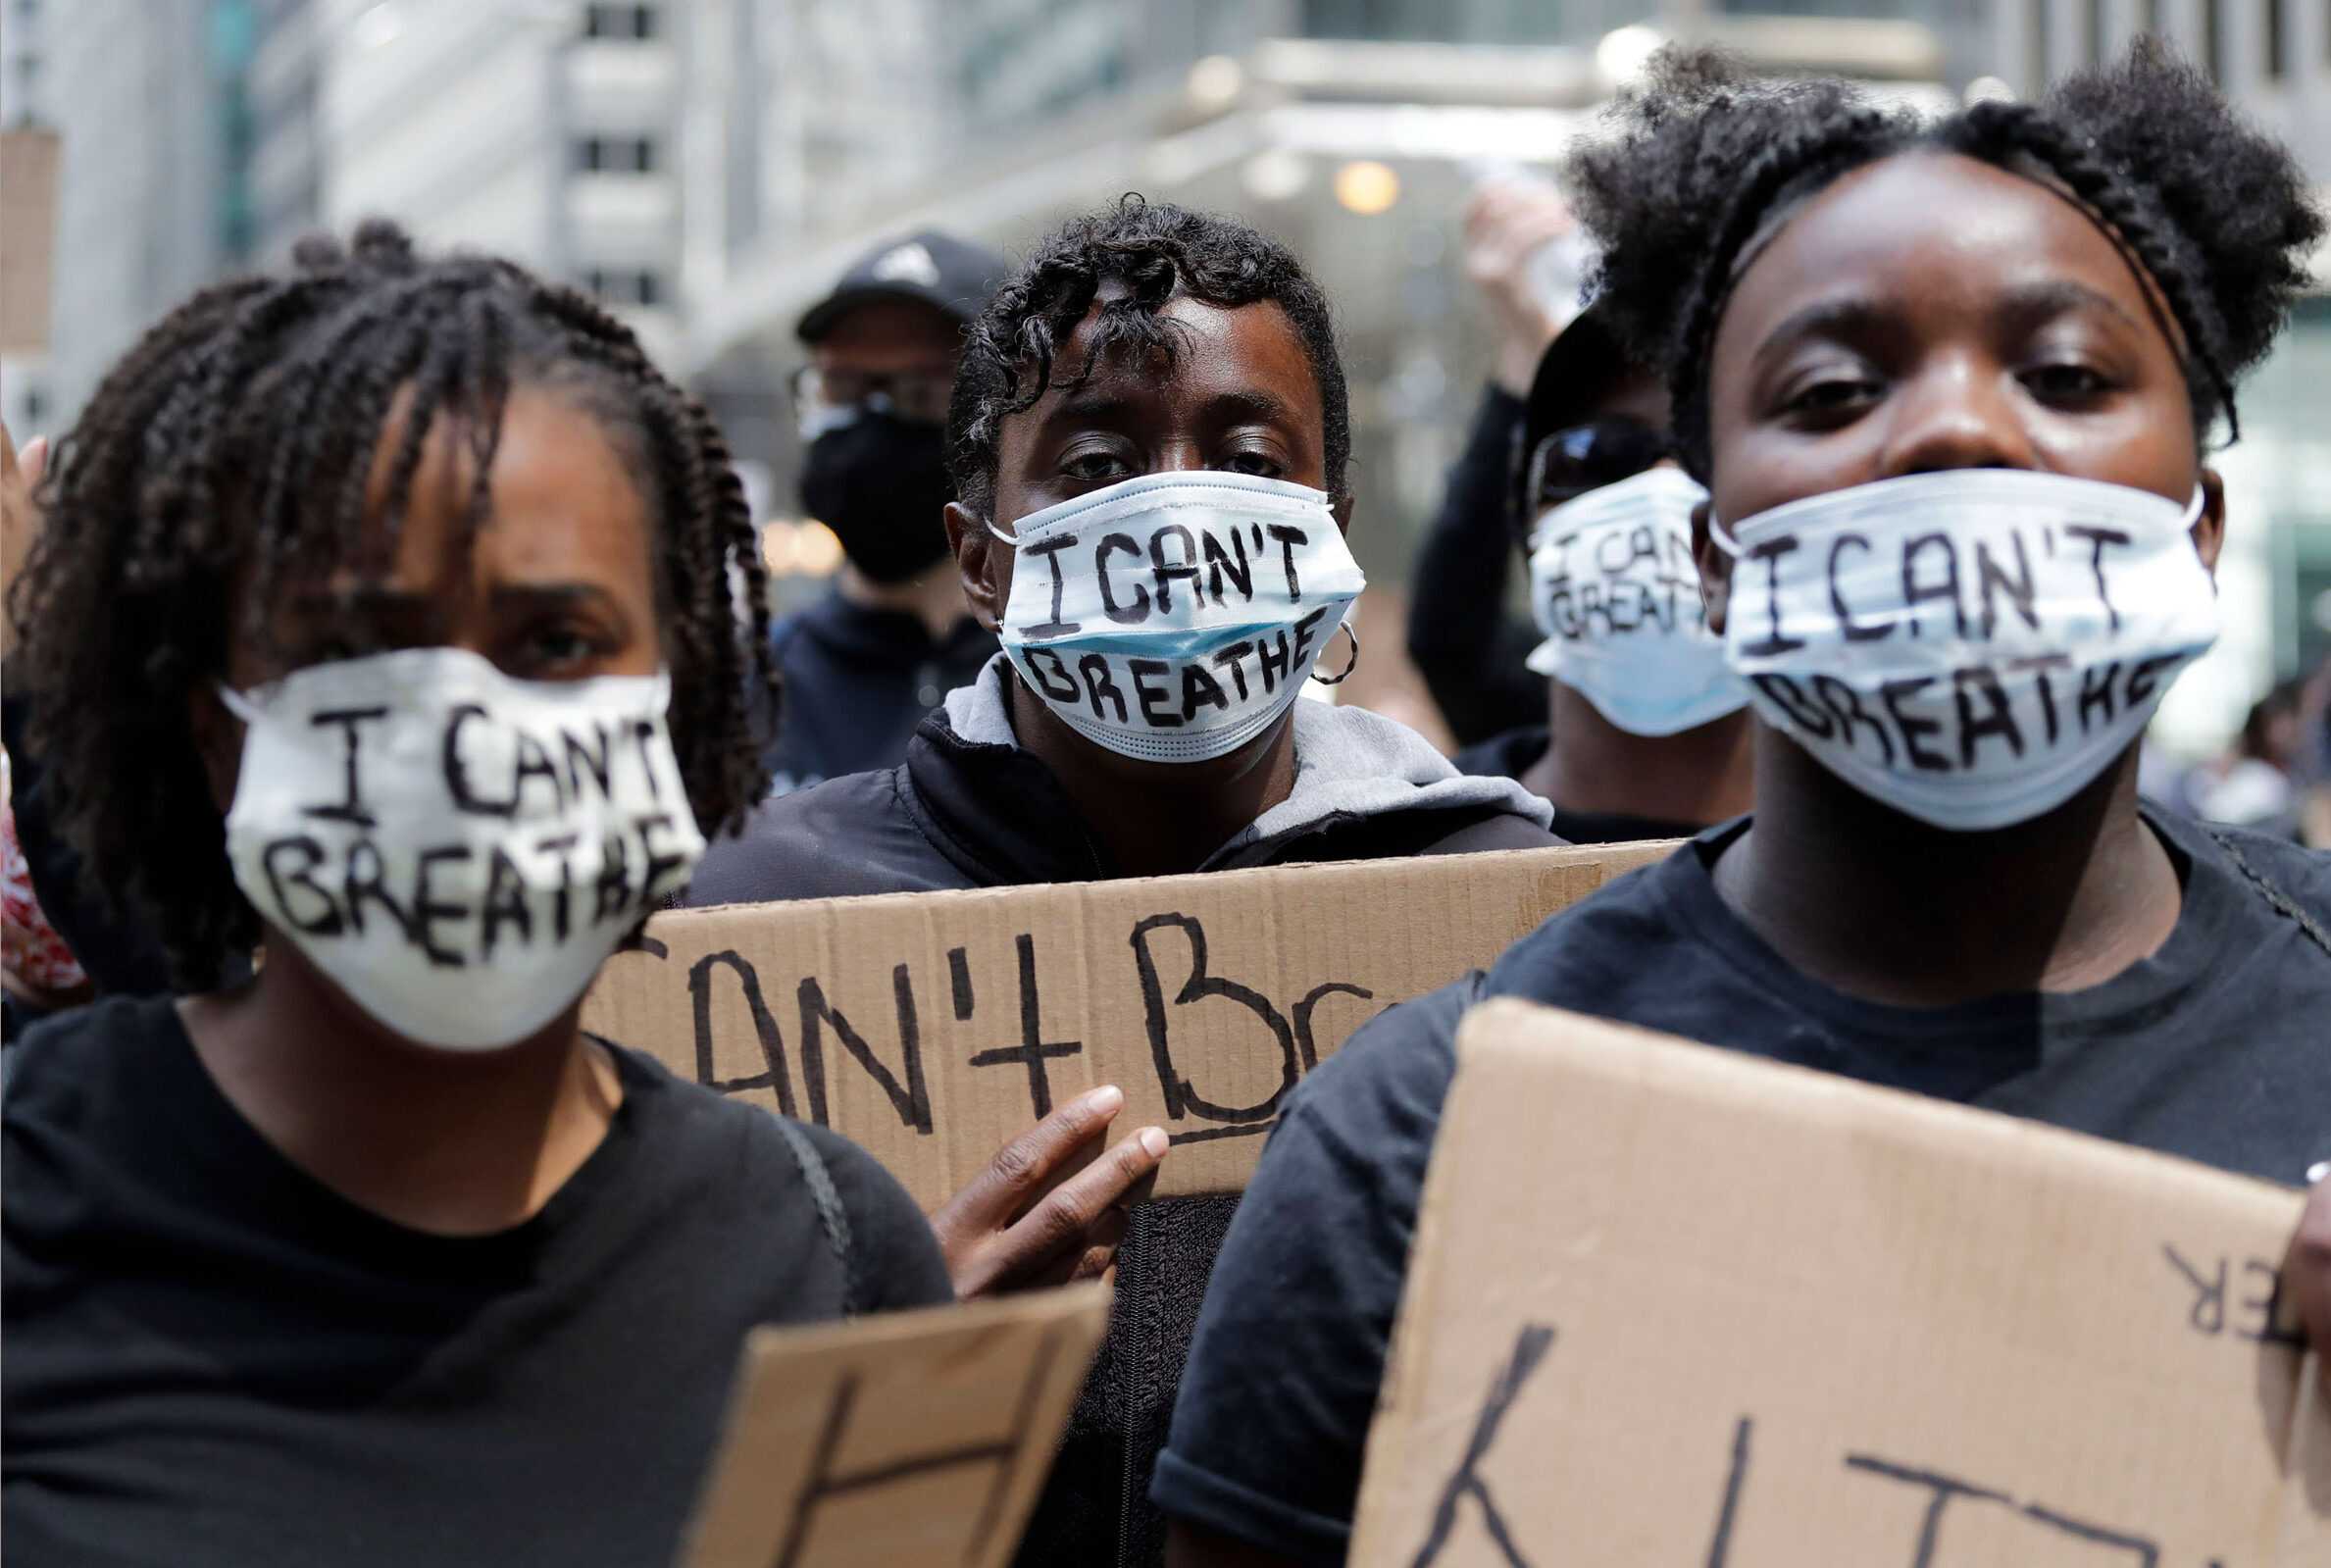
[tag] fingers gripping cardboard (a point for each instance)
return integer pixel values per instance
(912, 1437)
(930, 1028)
(1672, 1306)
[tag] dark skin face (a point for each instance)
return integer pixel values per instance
(558, 585)
(1700, 776)
(883, 342)
(1239, 396)
(1932, 312)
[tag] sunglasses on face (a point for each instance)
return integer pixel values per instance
(1568, 463)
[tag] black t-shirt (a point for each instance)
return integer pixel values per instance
(856, 682)
(213, 1359)
(2218, 1048)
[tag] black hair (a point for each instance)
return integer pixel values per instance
(230, 448)
(1154, 250)
(2215, 212)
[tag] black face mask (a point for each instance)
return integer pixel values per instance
(879, 482)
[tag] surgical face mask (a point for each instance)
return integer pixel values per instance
(456, 851)
(1972, 647)
(1615, 588)
(881, 484)
(1174, 617)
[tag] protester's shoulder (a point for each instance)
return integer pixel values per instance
(847, 835)
(1616, 937)
(2282, 865)
(67, 1068)
(1492, 827)
(711, 1142)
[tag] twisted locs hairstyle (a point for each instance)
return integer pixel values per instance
(228, 452)
(1153, 250)
(1707, 161)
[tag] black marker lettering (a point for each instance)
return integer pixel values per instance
(1990, 577)
(1271, 658)
(1289, 539)
(1845, 705)
(562, 846)
(1915, 594)
(773, 1046)
(1098, 685)
(1303, 630)
(1736, 1477)
(598, 764)
(1800, 709)
(1855, 631)
(326, 922)
(1201, 690)
(2208, 1313)
(1047, 666)
(1770, 553)
(1034, 1051)
(2001, 721)
(660, 865)
(505, 904)
(1006, 1455)
(457, 777)
(1930, 1529)
(534, 762)
(352, 808)
(1229, 659)
(1306, 1046)
(1528, 1349)
(1911, 726)
(2097, 539)
(1166, 574)
(2276, 1319)
(1050, 553)
(2145, 675)
(912, 1099)
(367, 880)
(959, 980)
(1135, 611)
(2095, 691)
(1221, 563)
(644, 735)
(428, 910)
(2040, 665)
(1180, 1098)
(1155, 717)
(614, 886)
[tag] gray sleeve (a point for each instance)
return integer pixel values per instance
(1273, 1416)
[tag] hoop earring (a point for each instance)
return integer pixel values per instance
(1348, 668)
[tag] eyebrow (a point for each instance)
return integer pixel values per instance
(1853, 318)
(1251, 404)
(2030, 304)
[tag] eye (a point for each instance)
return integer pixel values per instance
(1831, 398)
(1262, 464)
(2067, 384)
(559, 649)
(1095, 465)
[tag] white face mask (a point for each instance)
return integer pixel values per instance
(457, 850)
(1174, 617)
(1615, 588)
(1972, 646)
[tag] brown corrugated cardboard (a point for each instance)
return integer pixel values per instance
(930, 1028)
(914, 1437)
(1672, 1306)
(28, 238)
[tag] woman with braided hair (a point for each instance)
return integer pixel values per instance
(383, 623)
(1950, 384)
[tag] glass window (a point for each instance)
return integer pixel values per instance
(619, 22)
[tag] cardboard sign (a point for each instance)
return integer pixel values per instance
(913, 1438)
(930, 1028)
(28, 238)
(1677, 1307)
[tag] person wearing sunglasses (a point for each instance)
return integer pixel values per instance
(864, 664)
(1653, 728)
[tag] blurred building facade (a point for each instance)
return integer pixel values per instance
(707, 167)
(26, 401)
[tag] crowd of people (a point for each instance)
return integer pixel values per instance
(393, 642)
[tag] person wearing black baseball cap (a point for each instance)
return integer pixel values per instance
(1645, 733)
(863, 664)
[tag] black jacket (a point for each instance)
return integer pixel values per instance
(856, 683)
(970, 809)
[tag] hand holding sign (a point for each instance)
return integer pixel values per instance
(996, 1240)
